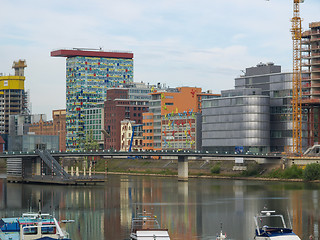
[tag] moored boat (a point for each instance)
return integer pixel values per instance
(32, 226)
(145, 226)
(271, 226)
(221, 236)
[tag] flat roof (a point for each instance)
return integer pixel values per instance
(86, 53)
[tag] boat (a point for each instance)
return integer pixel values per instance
(146, 227)
(32, 226)
(271, 226)
(221, 236)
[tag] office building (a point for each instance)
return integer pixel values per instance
(94, 124)
(120, 106)
(54, 127)
(89, 73)
(261, 87)
(278, 86)
(170, 123)
(237, 122)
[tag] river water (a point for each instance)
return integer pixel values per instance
(190, 210)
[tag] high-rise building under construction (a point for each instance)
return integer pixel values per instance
(13, 97)
(89, 73)
(311, 80)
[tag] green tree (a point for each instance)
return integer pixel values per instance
(311, 172)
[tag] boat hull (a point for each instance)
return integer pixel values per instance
(279, 237)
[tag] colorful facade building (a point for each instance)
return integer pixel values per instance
(13, 97)
(54, 127)
(117, 108)
(171, 122)
(89, 74)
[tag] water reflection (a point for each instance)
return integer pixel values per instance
(190, 210)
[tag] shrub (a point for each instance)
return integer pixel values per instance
(276, 173)
(293, 172)
(312, 172)
(252, 170)
(289, 173)
(216, 169)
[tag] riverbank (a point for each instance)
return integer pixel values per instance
(197, 169)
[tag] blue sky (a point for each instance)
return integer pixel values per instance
(202, 43)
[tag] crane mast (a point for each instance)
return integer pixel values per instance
(296, 31)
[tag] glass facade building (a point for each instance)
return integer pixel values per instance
(236, 122)
(94, 124)
(278, 86)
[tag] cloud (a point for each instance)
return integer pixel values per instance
(178, 42)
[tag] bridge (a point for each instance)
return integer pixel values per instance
(43, 166)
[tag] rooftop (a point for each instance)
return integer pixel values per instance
(90, 53)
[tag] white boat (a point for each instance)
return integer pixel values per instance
(271, 226)
(146, 227)
(32, 226)
(221, 236)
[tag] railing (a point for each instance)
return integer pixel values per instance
(52, 163)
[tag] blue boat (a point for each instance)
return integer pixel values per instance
(32, 226)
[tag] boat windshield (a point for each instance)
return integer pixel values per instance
(144, 222)
(270, 221)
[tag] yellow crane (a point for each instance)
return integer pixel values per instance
(296, 31)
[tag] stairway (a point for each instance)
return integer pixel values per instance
(52, 163)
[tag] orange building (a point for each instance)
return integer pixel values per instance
(56, 127)
(182, 102)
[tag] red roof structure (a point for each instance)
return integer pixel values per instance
(89, 53)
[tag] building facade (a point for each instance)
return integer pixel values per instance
(94, 124)
(117, 108)
(278, 86)
(179, 104)
(237, 122)
(88, 76)
(127, 129)
(13, 97)
(54, 127)
(311, 80)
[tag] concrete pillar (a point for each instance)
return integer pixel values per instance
(77, 171)
(84, 170)
(89, 171)
(72, 171)
(182, 168)
(38, 167)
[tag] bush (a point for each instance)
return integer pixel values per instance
(312, 172)
(252, 170)
(293, 172)
(216, 169)
(276, 173)
(288, 173)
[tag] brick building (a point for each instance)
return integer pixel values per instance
(117, 108)
(56, 127)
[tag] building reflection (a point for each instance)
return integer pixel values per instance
(190, 210)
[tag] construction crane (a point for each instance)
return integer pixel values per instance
(296, 31)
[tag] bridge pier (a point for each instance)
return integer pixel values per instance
(182, 168)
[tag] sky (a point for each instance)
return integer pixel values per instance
(196, 43)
